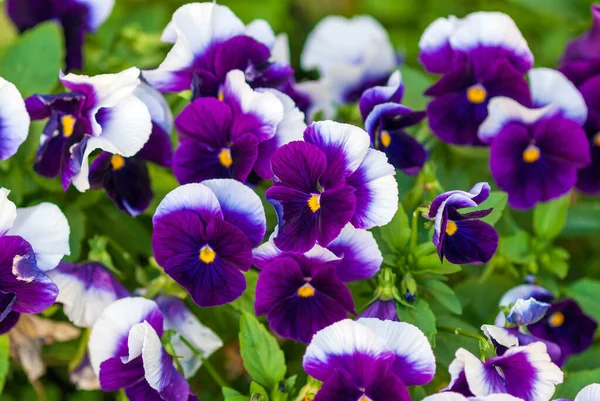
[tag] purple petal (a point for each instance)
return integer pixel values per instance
(382, 310)
(360, 254)
(158, 149)
(299, 165)
(392, 92)
(207, 120)
(585, 47)
(473, 242)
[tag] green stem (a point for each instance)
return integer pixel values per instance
(211, 370)
(414, 230)
(462, 332)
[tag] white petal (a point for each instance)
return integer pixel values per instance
(143, 340)
(495, 397)
(266, 252)
(280, 50)
(438, 33)
(114, 325)
(98, 11)
(478, 376)
(317, 252)
(168, 77)
(188, 197)
(46, 228)
(8, 212)
(549, 86)
(524, 291)
(159, 109)
(360, 254)
(321, 98)
(589, 393)
(292, 126)
(447, 396)
(261, 31)
(14, 119)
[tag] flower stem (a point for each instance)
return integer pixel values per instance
(211, 370)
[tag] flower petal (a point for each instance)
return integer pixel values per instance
(359, 253)
(14, 119)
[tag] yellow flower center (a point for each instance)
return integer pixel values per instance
(306, 291)
(68, 125)
(364, 398)
(476, 94)
(314, 203)
(207, 255)
(596, 139)
(117, 162)
(451, 228)
(531, 154)
(557, 319)
(225, 158)
(385, 139)
(221, 94)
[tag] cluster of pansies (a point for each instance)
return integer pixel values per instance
(248, 124)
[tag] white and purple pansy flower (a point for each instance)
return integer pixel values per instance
(209, 40)
(14, 119)
(100, 112)
(179, 318)
(369, 360)
(331, 179)
(481, 56)
(350, 55)
(32, 240)
(231, 137)
(536, 152)
(126, 353)
(126, 179)
(85, 290)
(386, 120)
(462, 238)
(525, 372)
(203, 238)
(588, 393)
(77, 17)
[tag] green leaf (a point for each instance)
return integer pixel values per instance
(77, 221)
(4, 360)
(556, 262)
(496, 201)
(245, 303)
(420, 315)
(433, 264)
(583, 219)
(261, 354)
(414, 95)
(517, 248)
(258, 392)
(394, 236)
(33, 62)
(231, 395)
(585, 292)
(549, 218)
(574, 382)
(445, 295)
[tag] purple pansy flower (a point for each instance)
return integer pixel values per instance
(126, 180)
(588, 180)
(328, 181)
(525, 372)
(535, 153)
(481, 56)
(14, 119)
(203, 238)
(386, 120)
(350, 55)
(126, 353)
(100, 112)
(179, 318)
(32, 241)
(209, 40)
(77, 17)
(463, 238)
(369, 359)
(588, 393)
(85, 290)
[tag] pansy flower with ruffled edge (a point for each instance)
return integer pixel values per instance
(331, 179)
(179, 318)
(85, 290)
(100, 112)
(350, 55)
(126, 353)
(481, 56)
(463, 238)
(14, 120)
(32, 240)
(126, 179)
(525, 372)
(369, 359)
(203, 238)
(209, 40)
(386, 120)
(77, 18)
(536, 152)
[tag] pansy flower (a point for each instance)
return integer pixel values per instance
(14, 119)
(304, 293)
(77, 17)
(525, 372)
(331, 179)
(126, 353)
(85, 290)
(350, 55)
(462, 238)
(231, 137)
(535, 153)
(203, 238)
(209, 40)
(481, 56)
(179, 318)
(126, 179)
(100, 112)
(32, 240)
(452, 396)
(369, 359)
(386, 121)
